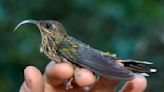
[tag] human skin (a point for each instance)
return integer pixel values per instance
(53, 80)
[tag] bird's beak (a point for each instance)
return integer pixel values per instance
(27, 22)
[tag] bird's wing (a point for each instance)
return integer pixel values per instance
(92, 59)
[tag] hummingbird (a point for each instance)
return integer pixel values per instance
(57, 44)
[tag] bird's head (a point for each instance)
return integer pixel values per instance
(46, 27)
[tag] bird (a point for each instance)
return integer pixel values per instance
(57, 45)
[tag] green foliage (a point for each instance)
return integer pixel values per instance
(130, 28)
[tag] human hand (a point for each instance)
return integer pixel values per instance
(56, 74)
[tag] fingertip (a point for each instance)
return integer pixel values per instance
(84, 77)
(61, 70)
(138, 84)
(57, 73)
(33, 80)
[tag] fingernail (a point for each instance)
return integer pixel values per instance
(78, 74)
(25, 87)
(28, 83)
(50, 65)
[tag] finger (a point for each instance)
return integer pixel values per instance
(138, 84)
(56, 74)
(34, 81)
(105, 85)
(84, 77)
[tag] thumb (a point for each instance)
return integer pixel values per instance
(34, 81)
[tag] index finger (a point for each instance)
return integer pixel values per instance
(57, 73)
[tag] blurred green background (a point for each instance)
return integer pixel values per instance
(130, 28)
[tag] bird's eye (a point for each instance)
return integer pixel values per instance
(48, 25)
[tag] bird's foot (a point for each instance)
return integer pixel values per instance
(69, 84)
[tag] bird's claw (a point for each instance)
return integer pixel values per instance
(69, 84)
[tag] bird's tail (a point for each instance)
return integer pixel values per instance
(140, 67)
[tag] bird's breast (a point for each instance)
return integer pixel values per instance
(49, 48)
